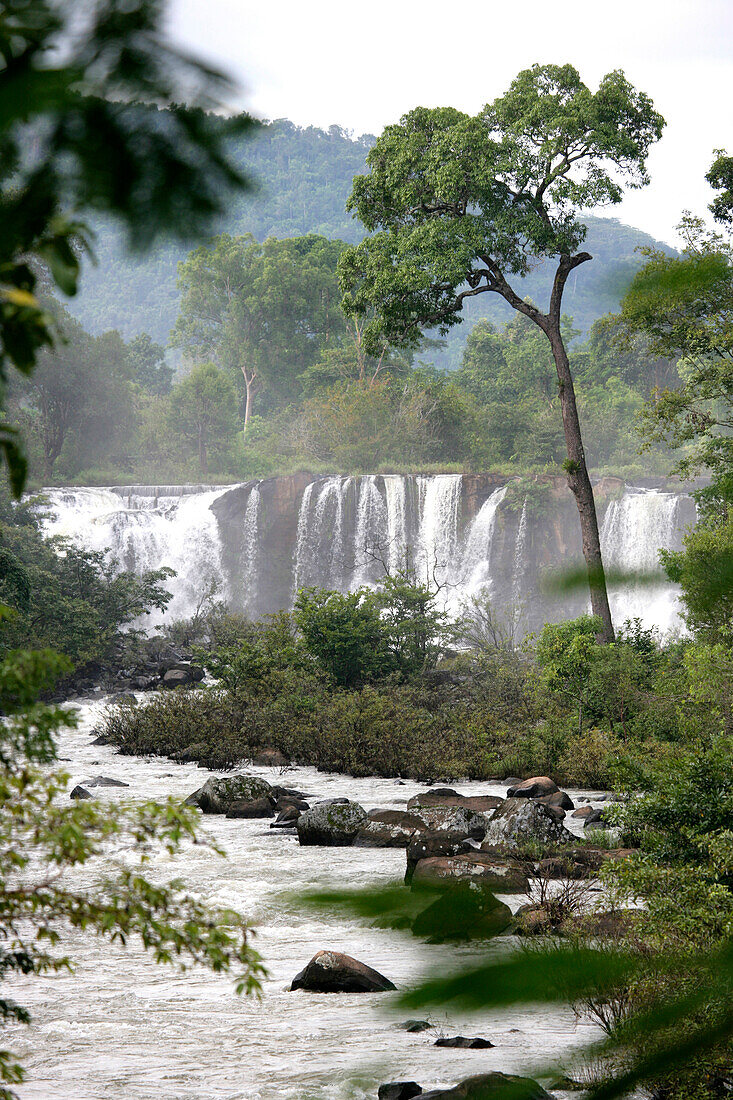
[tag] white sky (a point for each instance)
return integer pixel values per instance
(362, 65)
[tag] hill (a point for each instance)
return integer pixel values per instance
(304, 178)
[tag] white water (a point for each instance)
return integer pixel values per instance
(634, 529)
(250, 546)
(476, 571)
(121, 1028)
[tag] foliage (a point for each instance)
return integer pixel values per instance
(344, 633)
(75, 92)
(704, 571)
(202, 410)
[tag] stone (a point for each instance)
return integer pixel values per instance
(481, 803)
(454, 819)
(522, 820)
(398, 1090)
(491, 1086)
(79, 792)
(270, 758)
(463, 1043)
(104, 781)
(254, 807)
(415, 1026)
(596, 820)
(216, 795)
(468, 911)
(584, 811)
(332, 823)
(433, 844)
(559, 800)
(536, 787)
(389, 829)
(123, 698)
(182, 675)
(504, 876)
(333, 972)
(533, 920)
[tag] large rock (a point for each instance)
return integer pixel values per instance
(333, 823)
(181, 675)
(398, 1090)
(519, 821)
(446, 797)
(560, 800)
(332, 972)
(468, 911)
(217, 795)
(491, 1086)
(433, 844)
(104, 781)
(454, 819)
(536, 787)
(389, 829)
(79, 792)
(462, 1042)
(250, 807)
(504, 876)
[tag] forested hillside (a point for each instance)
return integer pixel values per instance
(304, 178)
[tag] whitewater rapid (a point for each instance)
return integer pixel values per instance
(122, 1028)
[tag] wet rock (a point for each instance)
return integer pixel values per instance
(333, 823)
(102, 739)
(191, 754)
(454, 819)
(104, 781)
(433, 844)
(254, 807)
(333, 972)
(182, 674)
(504, 876)
(491, 1086)
(123, 698)
(534, 920)
(415, 1026)
(597, 819)
(536, 787)
(270, 758)
(286, 819)
(522, 820)
(398, 1090)
(279, 793)
(463, 1043)
(566, 1084)
(446, 797)
(79, 792)
(389, 829)
(584, 811)
(468, 911)
(216, 795)
(559, 800)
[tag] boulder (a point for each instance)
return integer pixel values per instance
(332, 972)
(270, 758)
(584, 811)
(560, 800)
(519, 820)
(433, 844)
(463, 1043)
(444, 796)
(181, 675)
(216, 795)
(104, 781)
(389, 829)
(536, 787)
(454, 819)
(468, 911)
(250, 807)
(597, 820)
(123, 698)
(491, 1086)
(504, 876)
(415, 1026)
(79, 792)
(286, 819)
(333, 823)
(398, 1090)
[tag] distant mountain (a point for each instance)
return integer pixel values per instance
(304, 179)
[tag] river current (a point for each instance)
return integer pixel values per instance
(122, 1028)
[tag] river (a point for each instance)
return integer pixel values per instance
(122, 1028)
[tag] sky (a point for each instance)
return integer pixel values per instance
(363, 65)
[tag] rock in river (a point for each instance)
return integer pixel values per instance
(519, 820)
(491, 1086)
(389, 829)
(399, 1090)
(217, 795)
(333, 823)
(105, 781)
(79, 792)
(536, 787)
(501, 875)
(332, 972)
(250, 807)
(446, 796)
(454, 819)
(463, 1043)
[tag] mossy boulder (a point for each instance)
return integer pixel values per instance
(491, 1086)
(333, 823)
(217, 795)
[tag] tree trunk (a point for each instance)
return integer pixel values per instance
(250, 381)
(580, 485)
(203, 457)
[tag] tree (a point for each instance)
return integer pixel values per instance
(262, 311)
(202, 409)
(456, 205)
(99, 102)
(148, 366)
(344, 633)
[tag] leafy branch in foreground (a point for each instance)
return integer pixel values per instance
(43, 840)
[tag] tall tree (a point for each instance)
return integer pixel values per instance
(263, 311)
(458, 204)
(202, 409)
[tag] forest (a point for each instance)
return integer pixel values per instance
(530, 834)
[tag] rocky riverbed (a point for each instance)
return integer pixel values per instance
(121, 1027)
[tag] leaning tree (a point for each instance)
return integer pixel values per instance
(456, 205)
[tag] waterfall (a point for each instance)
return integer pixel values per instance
(476, 571)
(520, 555)
(321, 541)
(396, 501)
(143, 531)
(371, 552)
(250, 546)
(634, 529)
(437, 543)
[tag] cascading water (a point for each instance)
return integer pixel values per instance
(437, 543)
(142, 531)
(635, 528)
(476, 571)
(250, 547)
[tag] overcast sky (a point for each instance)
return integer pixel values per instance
(362, 65)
